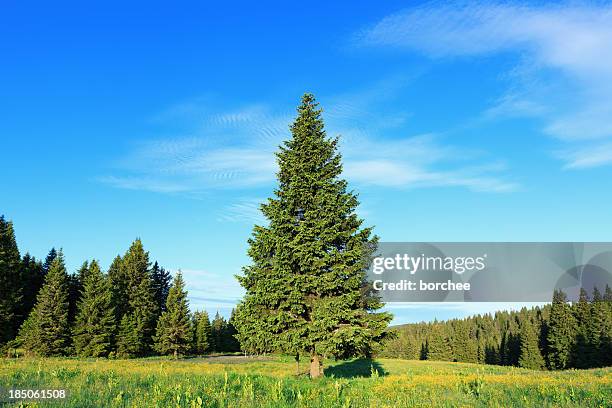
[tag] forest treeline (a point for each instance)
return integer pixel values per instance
(134, 309)
(556, 336)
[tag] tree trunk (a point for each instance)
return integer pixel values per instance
(297, 362)
(315, 366)
(175, 354)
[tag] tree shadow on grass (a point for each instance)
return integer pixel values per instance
(363, 367)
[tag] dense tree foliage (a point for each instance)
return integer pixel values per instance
(93, 314)
(556, 336)
(161, 285)
(306, 289)
(174, 334)
(46, 332)
(95, 321)
(11, 293)
(202, 333)
(137, 325)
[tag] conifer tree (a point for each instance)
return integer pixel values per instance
(597, 329)
(135, 336)
(10, 282)
(306, 289)
(119, 287)
(202, 333)
(161, 285)
(254, 326)
(174, 335)
(439, 345)
(582, 348)
(46, 331)
(561, 332)
(75, 290)
(218, 342)
(232, 343)
(49, 260)
(32, 280)
(465, 349)
(530, 355)
(95, 320)
(606, 338)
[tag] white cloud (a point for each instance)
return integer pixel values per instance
(235, 150)
(245, 210)
(572, 40)
(212, 291)
(587, 157)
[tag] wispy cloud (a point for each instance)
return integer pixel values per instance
(212, 291)
(564, 52)
(235, 150)
(245, 210)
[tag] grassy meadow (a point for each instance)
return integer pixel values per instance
(246, 382)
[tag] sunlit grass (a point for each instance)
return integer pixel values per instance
(205, 382)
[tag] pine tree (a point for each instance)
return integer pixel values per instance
(561, 332)
(582, 348)
(202, 333)
(465, 349)
(10, 283)
(606, 338)
(232, 343)
(46, 331)
(119, 287)
(135, 336)
(218, 342)
(439, 345)
(161, 285)
(307, 285)
(173, 328)
(49, 260)
(32, 280)
(95, 321)
(597, 330)
(75, 290)
(530, 355)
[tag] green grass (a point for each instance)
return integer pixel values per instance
(236, 382)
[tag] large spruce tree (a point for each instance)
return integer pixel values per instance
(95, 320)
(32, 279)
(530, 355)
(161, 285)
(46, 331)
(561, 332)
(135, 336)
(306, 290)
(10, 282)
(202, 333)
(174, 335)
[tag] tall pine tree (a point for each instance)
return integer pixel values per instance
(173, 328)
(46, 331)
(202, 333)
(32, 279)
(530, 355)
(10, 282)
(161, 285)
(95, 320)
(561, 332)
(135, 336)
(307, 284)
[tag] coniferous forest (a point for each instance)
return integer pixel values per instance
(134, 309)
(556, 336)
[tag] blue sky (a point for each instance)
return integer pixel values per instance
(472, 122)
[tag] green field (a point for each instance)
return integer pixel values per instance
(246, 382)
